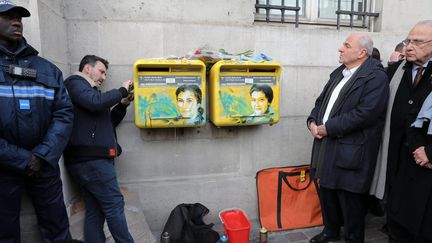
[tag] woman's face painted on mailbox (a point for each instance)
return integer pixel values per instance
(187, 104)
(259, 102)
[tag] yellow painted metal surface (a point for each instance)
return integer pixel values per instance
(169, 93)
(244, 93)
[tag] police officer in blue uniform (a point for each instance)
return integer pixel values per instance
(35, 124)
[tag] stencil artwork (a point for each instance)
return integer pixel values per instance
(175, 106)
(248, 104)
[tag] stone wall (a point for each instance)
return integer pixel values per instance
(214, 166)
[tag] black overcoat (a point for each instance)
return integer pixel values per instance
(410, 186)
(354, 129)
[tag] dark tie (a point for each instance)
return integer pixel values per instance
(418, 76)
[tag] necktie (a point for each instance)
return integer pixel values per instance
(418, 76)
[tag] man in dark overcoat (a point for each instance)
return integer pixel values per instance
(346, 123)
(409, 178)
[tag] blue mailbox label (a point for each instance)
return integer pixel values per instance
(246, 80)
(165, 80)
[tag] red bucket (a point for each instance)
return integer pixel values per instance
(236, 224)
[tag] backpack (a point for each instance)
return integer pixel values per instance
(185, 225)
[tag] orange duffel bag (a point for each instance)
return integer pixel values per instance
(287, 198)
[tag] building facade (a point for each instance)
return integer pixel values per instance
(211, 165)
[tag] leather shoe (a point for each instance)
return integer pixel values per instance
(323, 238)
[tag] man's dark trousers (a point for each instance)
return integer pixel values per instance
(47, 197)
(103, 200)
(343, 208)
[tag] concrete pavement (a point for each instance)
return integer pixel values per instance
(373, 233)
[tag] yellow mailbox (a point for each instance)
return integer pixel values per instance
(243, 93)
(169, 93)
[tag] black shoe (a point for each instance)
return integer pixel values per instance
(323, 238)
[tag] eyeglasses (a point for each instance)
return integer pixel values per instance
(406, 42)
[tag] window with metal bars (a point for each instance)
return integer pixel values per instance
(352, 13)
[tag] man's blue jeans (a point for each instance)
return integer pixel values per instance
(103, 200)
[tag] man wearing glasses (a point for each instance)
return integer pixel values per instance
(409, 177)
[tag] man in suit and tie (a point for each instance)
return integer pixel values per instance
(346, 123)
(408, 177)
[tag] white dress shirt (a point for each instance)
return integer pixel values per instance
(347, 73)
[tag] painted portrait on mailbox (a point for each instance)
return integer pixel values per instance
(166, 101)
(189, 104)
(249, 104)
(261, 98)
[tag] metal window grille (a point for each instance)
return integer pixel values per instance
(362, 12)
(267, 6)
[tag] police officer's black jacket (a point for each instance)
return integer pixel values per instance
(35, 113)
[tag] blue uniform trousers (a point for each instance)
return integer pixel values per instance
(47, 197)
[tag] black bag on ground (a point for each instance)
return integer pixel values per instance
(185, 225)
